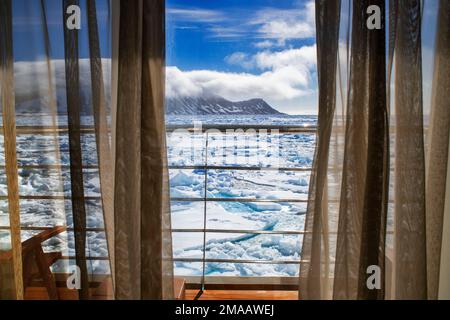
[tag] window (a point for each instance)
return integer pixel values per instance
(241, 119)
(241, 123)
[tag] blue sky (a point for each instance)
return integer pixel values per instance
(243, 50)
(200, 33)
(237, 49)
(28, 32)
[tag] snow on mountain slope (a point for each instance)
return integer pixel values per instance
(32, 86)
(208, 105)
(32, 93)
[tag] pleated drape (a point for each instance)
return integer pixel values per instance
(436, 180)
(444, 276)
(102, 130)
(11, 282)
(76, 163)
(409, 194)
(361, 209)
(315, 274)
(52, 103)
(129, 139)
(364, 190)
(357, 193)
(143, 254)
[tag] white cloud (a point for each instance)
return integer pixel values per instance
(180, 84)
(285, 76)
(227, 32)
(241, 59)
(195, 15)
(289, 88)
(286, 24)
(265, 44)
(304, 57)
(285, 83)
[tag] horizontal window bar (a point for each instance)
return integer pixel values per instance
(238, 168)
(300, 232)
(49, 129)
(87, 258)
(89, 198)
(238, 261)
(236, 200)
(49, 166)
(246, 261)
(237, 231)
(50, 197)
(199, 167)
(50, 228)
(245, 200)
(230, 168)
(190, 260)
(188, 230)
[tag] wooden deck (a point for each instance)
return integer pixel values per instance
(65, 294)
(103, 291)
(242, 295)
(40, 293)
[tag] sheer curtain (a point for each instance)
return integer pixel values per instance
(143, 254)
(438, 146)
(410, 241)
(11, 283)
(72, 76)
(363, 201)
(103, 127)
(315, 273)
(371, 202)
(90, 155)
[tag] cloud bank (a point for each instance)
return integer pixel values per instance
(283, 75)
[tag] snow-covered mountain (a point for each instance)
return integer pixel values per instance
(210, 105)
(31, 86)
(32, 94)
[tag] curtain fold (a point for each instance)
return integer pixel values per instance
(157, 256)
(347, 211)
(410, 238)
(438, 149)
(363, 202)
(52, 103)
(102, 129)
(127, 206)
(76, 162)
(136, 209)
(351, 194)
(143, 255)
(11, 282)
(314, 269)
(444, 275)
